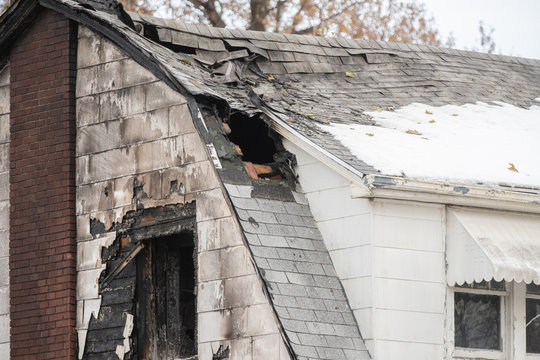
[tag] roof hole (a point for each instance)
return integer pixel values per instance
(251, 135)
(260, 148)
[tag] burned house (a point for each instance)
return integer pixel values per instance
(177, 191)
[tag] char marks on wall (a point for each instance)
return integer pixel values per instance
(148, 289)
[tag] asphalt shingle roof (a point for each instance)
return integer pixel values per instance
(314, 80)
(294, 262)
(309, 80)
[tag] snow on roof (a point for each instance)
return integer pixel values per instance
(486, 143)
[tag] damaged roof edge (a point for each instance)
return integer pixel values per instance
(142, 56)
(380, 186)
(399, 188)
(278, 124)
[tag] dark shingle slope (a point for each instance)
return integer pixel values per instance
(306, 292)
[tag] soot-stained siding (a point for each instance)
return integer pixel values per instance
(137, 148)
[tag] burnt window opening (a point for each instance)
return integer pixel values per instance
(166, 298)
(260, 148)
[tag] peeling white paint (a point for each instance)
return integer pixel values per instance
(214, 155)
(120, 352)
(128, 329)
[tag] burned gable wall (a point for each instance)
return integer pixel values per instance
(137, 148)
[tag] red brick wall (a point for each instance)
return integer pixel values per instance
(42, 195)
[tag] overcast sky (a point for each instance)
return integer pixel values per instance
(516, 23)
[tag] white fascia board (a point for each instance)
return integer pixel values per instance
(453, 194)
(389, 187)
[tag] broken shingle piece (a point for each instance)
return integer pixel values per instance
(263, 44)
(247, 45)
(228, 56)
(164, 34)
(281, 55)
(323, 68)
(184, 39)
(210, 57)
(211, 44)
(269, 67)
(298, 67)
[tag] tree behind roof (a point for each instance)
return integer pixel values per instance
(389, 20)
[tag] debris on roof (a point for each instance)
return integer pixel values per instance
(311, 81)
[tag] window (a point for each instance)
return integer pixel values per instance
(478, 311)
(478, 321)
(532, 318)
(494, 320)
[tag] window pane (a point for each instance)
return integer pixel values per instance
(533, 289)
(477, 321)
(533, 327)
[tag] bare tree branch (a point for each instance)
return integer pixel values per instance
(322, 21)
(279, 13)
(210, 10)
(259, 12)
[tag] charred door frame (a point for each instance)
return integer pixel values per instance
(165, 319)
(123, 281)
(158, 229)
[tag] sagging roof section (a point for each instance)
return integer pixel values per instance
(310, 81)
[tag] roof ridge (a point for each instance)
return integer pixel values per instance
(320, 41)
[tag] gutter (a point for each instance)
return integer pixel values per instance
(375, 186)
(389, 187)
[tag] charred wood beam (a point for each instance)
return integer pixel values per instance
(129, 258)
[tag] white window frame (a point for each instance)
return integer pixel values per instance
(528, 296)
(453, 352)
(513, 321)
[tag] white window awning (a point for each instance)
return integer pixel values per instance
(491, 245)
